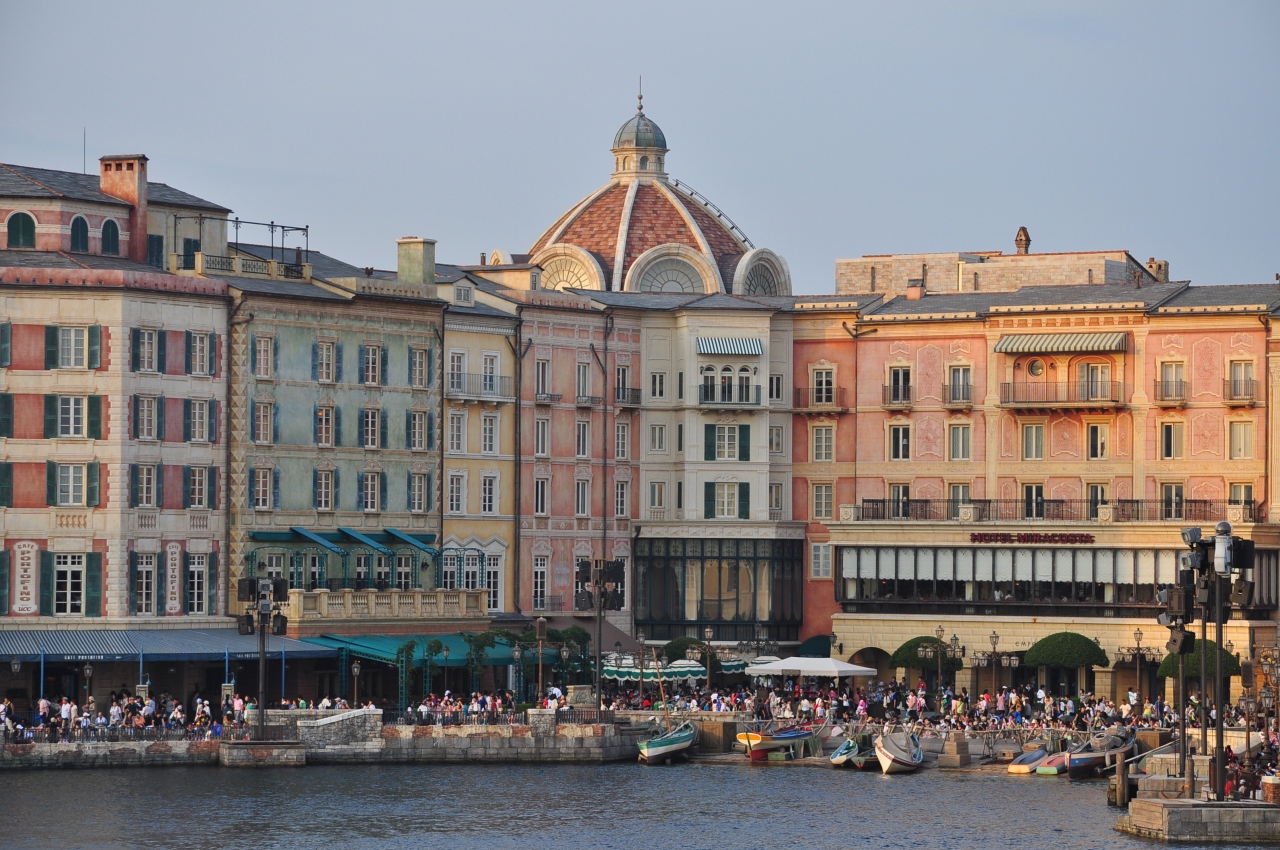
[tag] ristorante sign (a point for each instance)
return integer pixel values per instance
(1030, 537)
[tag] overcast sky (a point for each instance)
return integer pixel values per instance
(824, 131)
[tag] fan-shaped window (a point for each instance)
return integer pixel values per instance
(22, 231)
(565, 273)
(670, 274)
(79, 235)
(644, 163)
(761, 281)
(110, 237)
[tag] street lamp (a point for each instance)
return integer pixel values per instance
(88, 681)
(444, 669)
(540, 630)
(355, 675)
(15, 666)
(517, 654)
(995, 641)
(1137, 642)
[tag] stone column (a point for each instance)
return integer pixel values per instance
(543, 722)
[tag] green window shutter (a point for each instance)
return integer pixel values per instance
(709, 500)
(6, 343)
(51, 346)
(680, 385)
(186, 353)
(680, 437)
(50, 483)
(133, 419)
(744, 501)
(708, 442)
(275, 489)
(431, 430)
(6, 485)
(186, 420)
(408, 429)
(186, 583)
(162, 350)
(253, 478)
(133, 485)
(337, 426)
(211, 476)
(744, 442)
(95, 347)
(213, 421)
(92, 490)
(50, 417)
(4, 583)
(382, 491)
(46, 584)
(131, 593)
(382, 429)
(253, 354)
(93, 427)
(161, 589)
(135, 348)
(6, 414)
(160, 418)
(186, 487)
(159, 485)
(211, 584)
(386, 362)
(93, 584)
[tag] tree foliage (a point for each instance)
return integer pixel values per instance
(1191, 664)
(675, 651)
(907, 656)
(1065, 649)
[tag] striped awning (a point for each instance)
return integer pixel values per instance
(729, 345)
(1102, 343)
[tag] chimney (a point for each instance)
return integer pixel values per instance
(483, 259)
(1159, 269)
(1023, 241)
(125, 177)
(416, 261)
(915, 290)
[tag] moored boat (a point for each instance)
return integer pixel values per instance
(662, 747)
(899, 752)
(1099, 754)
(1027, 763)
(845, 752)
(759, 743)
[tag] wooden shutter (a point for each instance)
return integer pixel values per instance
(212, 427)
(253, 355)
(360, 490)
(360, 355)
(93, 584)
(275, 489)
(135, 348)
(133, 485)
(253, 483)
(6, 485)
(186, 352)
(211, 584)
(4, 582)
(160, 589)
(46, 584)
(6, 414)
(160, 405)
(211, 482)
(382, 429)
(744, 442)
(431, 430)
(162, 350)
(337, 426)
(92, 490)
(51, 346)
(315, 488)
(160, 485)
(186, 582)
(384, 355)
(94, 355)
(134, 418)
(275, 357)
(315, 361)
(337, 363)
(708, 442)
(382, 491)
(50, 417)
(337, 489)
(93, 419)
(275, 423)
(408, 429)
(6, 343)
(50, 483)
(744, 500)
(709, 500)
(131, 592)
(186, 487)
(186, 420)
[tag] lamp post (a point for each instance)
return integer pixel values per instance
(88, 681)
(355, 678)
(565, 653)
(995, 641)
(444, 669)
(540, 630)
(517, 654)
(641, 637)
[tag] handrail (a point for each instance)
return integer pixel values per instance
(719, 213)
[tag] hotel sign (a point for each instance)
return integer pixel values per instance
(1030, 537)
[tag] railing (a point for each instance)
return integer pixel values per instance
(728, 395)
(1171, 392)
(546, 398)
(1241, 391)
(957, 395)
(626, 395)
(898, 395)
(715, 210)
(214, 263)
(250, 265)
(1062, 393)
(810, 398)
(586, 715)
(291, 272)
(551, 602)
(351, 604)
(657, 514)
(461, 384)
(413, 716)
(775, 514)
(588, 400)
(50, 734)
(1053, 510)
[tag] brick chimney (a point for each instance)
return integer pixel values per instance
(1159, 269)
(1022, 241)
(416, 262)
(125, 177)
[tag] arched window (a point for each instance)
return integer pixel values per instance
(79, 234)
(744, 385)
(22, 231)
(644, 163)
(110, 237)
(626, 163)
(726, 383)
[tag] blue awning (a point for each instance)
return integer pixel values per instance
(366, 540)
(316, 538)
(729, 345)
(411, 540)
(151, 644)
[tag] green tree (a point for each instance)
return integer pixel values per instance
(435, 647)
(476, 646)
(907, 656)
(1065, 649)
(1191, 664)
(675, 651)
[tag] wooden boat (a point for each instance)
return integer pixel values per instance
(1053, 765)
(1027, 763)
(759, 743)
(1100, 753)
(662, 747)
(899, 752)
(846, 751)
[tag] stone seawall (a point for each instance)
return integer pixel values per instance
(569, 743)
(119, 754)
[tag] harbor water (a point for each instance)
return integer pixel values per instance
(493, 807)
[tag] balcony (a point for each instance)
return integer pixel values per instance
(1170, 393)
(729, 395)
(658, 514)
(819, 399)
(1240, 392)
(627, 396)
(546, 398)
(479, 387)
(350, 604)
(898, 397)
(957, 396)
(213, 264)
(1077, 394)
(589, 400)
(1052, 510)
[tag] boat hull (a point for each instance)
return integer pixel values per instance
(848, 750)
(1053, 765)
(896, 757)
(663, 747)
(1027, 763)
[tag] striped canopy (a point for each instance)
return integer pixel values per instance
(729, 345)
(1073, 343)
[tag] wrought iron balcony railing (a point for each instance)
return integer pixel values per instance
(819, 398)
(463, 385)
(1062, 394)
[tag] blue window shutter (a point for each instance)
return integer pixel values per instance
(360, 424)
(135, 417)
(409, 365)
(360, 364)
(337, 490)
(93, 418)
(382, 491)
(253, 354)
(744, 501)
(50, 417)
(386, 358)
(6, 485)
(337, 363)
(315, 424)
(253, 421)
(162, 350)
(337, 426)
(211, 584)
(51, 346)
(709, 500)
(360, 491)
(253, 478)
(186, 420)
(186, 487)
(275, 423)
(275, 489)
(408, 490)
(431, 367)
(275, 357)
(213, 421)
(93, 584)
(133, 485)
(431, 430)
(216, 369)
(315, 361)
(6, 343)
(315, 487)
(6, 414)
(186, 353)
(131, 592)
(92, 484)
(161, 590)
(212, 478)
(160, 418)
(159, 485)
(186, 582)
(382, 429)
(135, 348)
(431, 491)
(408, 429)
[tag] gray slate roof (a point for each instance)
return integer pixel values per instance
(27, 259)
(1240, 294)
(25, 181)
(322, 265)
(282, 288)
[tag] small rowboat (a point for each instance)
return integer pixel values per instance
(1102, 751)
(1052, 765)
(899, 752)
(662, 747)
(758, 744)
(1027, 763)
(846, 751)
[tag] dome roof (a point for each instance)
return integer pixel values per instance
(640, 132)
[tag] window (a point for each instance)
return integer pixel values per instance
(900, 385)
(1242, 494)
(622, 440)
(417, 492)
(541, 432)
(70, 416)
(540, 486)
(822, 501)
(417, 423)
(899, 501)
(820, 561)
(201, 354)
(419, 374)
(539, 582)
(657, 494)
(1033, 501)
(726, 501)
(155, 251)
(197, 487)
(489, 374)
(68, 584)
(262, 489)
(1097, 496)
(726, 442)
(146, 351)
(622, 379)
(542, 377)
(658, 385)
(1098, 438)
(680, 385)
(462, 294)
(371, 368)
(959, 442)
(196, 584)
(324, 490)
(263, 422)
(146, 417)
(679, 495)
(70, 484)
(1171, 501)
(22, 231)
(1241, 440)
(324, 426)
(1172, 378)
(456, 495)
(199, 421)
(324, 362)
(273, 568)
(679, 436)
(776, 439)
(900, 442)
(370, 490)
(959, 496)
(404, 572)
(823, 386)
(657, 438)
(620, 498)
(775, 388)
(79, 235)
(583, 442)
(1171, 440)
(71, 348)
(144, 588)
(457, 433)
(264, 351)
(823, 445)
(1095, 380)
(146, 487)
(960, 390)
(489, 494)
(489, 434)
(775, 497)
(491, 582)
(582, 498)
(584, 379)
(1033, 442)
(1241, 379)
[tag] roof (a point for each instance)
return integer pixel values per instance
(28, 259)
(29, 182)
(1234, 295)
(1146, 297)
(673, 300)
(1111, 342)
(150, 644)
(639, 131)
(322, 265)
(282, 288)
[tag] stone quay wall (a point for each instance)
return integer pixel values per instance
(568, 743)
(119, 754)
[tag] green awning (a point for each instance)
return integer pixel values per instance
(384, 648)
(1116, 342)
(366, 540)
(316, 538)
(411, 540)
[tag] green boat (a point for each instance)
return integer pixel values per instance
(663, 747)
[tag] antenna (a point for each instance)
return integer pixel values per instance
(84, 150)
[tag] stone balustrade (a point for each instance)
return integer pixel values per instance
(349, 604)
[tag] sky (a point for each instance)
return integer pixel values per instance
(823, 130)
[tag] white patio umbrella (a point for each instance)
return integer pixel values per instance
(801, 666)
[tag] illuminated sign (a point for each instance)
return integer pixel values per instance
(1030, 537)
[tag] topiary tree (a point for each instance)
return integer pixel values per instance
(908, 656)
(675, 650)
(1065, 649)
(1191, 664)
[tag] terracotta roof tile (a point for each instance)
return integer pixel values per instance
(596, 229)
(654, 222)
